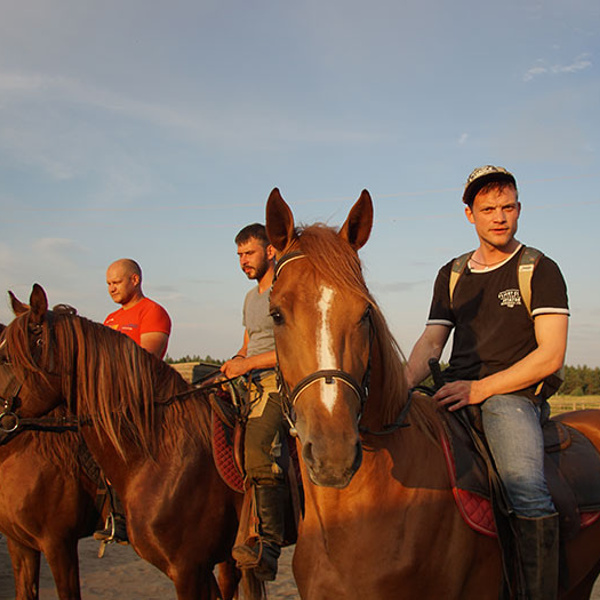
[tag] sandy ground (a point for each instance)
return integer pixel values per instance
(123, 575)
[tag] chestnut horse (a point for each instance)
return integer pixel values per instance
(47, 503)
(380, 518)
(147, 428)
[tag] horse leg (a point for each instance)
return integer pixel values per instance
(228, 577)
(64, 564)
(583, 590)
(26, 570)
(197, 585)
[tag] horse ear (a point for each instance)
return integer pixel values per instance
(280, 222)
(18, 307)
(39, 303)
(357, 227)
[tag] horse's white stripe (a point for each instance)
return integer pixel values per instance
(325, 356)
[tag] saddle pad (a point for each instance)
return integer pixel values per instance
(222, 443)
(472, 493)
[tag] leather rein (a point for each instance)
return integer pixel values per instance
(12, 423)
(331, 376)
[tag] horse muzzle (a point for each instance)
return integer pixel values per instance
(331, 463)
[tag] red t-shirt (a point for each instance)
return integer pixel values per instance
(146, 316)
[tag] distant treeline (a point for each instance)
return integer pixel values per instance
(579, 381)
(188, 359)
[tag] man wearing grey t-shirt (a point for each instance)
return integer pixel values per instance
(264, 444)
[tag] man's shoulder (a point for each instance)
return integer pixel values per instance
(149, 306)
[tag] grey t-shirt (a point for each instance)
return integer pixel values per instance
(258, 322)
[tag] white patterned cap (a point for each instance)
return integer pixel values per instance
(482, 176)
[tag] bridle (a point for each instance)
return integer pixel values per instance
(10, 421)
(327, 376)
(9, 397)
(330, 376)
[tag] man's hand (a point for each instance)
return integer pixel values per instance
(235, 367)
(458, 394)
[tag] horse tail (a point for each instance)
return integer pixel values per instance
(252, 587)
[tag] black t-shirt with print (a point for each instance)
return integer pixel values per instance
(492, 328)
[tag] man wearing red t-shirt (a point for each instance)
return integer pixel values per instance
(149, 325)
(143, 320)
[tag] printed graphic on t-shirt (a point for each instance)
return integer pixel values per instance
(510, 298)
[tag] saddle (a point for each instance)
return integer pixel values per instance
(572, 469)
(228, 418)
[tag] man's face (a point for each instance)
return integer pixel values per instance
(495, 215)
(254, 258)
(122, 286)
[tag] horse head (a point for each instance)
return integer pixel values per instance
(321, 311)
(27, 384)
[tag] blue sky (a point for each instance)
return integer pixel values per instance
(156, 130)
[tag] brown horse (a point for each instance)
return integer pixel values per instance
(380, 517)
(47, 503)
(148, 430)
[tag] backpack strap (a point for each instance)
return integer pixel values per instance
(527, 261)
(458, 266)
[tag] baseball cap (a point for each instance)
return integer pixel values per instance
(482, 176)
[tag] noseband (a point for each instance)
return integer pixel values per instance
(328, 376)
(9, 421)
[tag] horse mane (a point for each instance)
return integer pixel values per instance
(118, 387)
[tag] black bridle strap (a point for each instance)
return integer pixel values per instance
(397, 424)
(285, 259)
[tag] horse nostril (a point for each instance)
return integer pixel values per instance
(307, 453)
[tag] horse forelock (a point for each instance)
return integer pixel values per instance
(16, 335)
(333, 259)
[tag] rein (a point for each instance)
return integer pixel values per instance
(330, 376)
(12, 423)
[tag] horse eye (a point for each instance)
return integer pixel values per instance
(276, 316)
(366, 315)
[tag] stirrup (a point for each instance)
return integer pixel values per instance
(257, 558)
(113, 532)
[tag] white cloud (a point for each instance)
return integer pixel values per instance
(580, 63)
(534, 72)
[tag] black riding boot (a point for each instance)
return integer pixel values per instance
(537, 541)
(264, 554)
(115, 528)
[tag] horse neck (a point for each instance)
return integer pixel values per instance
(180, 441)
(388, 391)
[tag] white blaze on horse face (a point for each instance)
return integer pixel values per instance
(325, 355)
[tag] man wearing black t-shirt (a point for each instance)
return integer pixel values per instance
(500, 357)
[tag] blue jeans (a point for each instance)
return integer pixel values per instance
(512, 428)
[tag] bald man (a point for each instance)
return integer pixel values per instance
(143, 320)
(149, 325)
